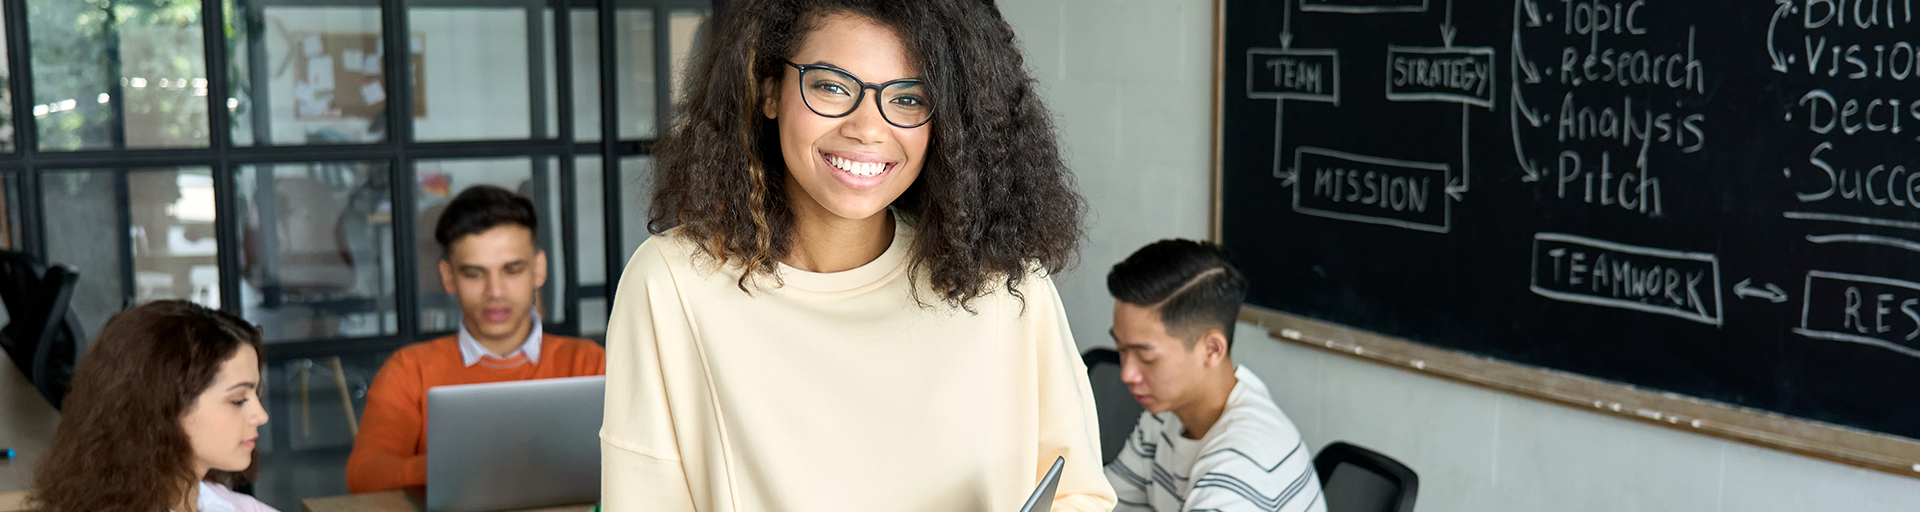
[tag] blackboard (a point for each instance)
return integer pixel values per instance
(1714, 198)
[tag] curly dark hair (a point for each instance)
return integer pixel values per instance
(120, 445)
(993, 203)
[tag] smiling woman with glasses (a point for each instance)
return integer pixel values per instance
(848, 304)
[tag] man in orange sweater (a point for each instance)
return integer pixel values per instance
(493, 266)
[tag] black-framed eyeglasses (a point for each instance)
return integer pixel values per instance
(833, 92)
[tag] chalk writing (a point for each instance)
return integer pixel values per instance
(1869, 310)
(1372, 189)
(1591, 271)
(1462, 75)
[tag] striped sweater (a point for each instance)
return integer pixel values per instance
(1251, 460)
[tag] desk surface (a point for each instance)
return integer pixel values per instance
(392, 501)
(27, 423)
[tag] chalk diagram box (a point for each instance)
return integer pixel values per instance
(1869, 310)
(1363, 6)
(1370, 189)
(1481, 58)
(1263, 62)
(1610, 274)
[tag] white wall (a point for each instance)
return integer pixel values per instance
(1481, 450)
(1129, 85)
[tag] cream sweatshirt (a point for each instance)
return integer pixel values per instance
(837, 392)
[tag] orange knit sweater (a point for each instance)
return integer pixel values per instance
(390, 452)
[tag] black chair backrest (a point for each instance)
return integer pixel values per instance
(59, 347)
(1356, 479)
(43, 335)
(1118, 411)
(20, 277)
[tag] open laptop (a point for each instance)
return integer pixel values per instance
(1042, 498)
(513, 445)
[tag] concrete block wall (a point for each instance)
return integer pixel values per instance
(1129, 83)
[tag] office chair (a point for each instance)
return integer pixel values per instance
(43, 335)
(1116, 408)
(1356, 479)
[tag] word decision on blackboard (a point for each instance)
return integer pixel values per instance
(1715, 198)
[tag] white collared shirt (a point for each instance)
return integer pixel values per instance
(471, 350)
(217, 498)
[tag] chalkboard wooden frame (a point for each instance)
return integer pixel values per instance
(1857, 447)
(1851, 446)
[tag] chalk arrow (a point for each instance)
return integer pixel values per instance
(1533, 14)
(1460, 184)
(1784, 9)
(1288, 178)
(1520, 105)
(1286, 24)
(1772, 292)
(1447, 30)
(1533, 72)
(1519, 153)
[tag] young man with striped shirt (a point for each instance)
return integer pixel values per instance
(1211, 437)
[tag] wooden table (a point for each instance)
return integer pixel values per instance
(27, 423)
(393, 501)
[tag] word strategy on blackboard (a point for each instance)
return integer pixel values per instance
(1622, 92)
(1373, 188)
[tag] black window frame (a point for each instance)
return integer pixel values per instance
(398, 152)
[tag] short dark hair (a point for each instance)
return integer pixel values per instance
(480, 208)
(1194, 284)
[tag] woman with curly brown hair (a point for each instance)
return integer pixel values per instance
(848, 303)
(163, 416)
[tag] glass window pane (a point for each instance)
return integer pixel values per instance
(588, 198)
(6, 96)
(546, 197)
(686, 25)
(169, 235)
(585, 64)
(474, 72)
(150, 90)
(307, 75)
(593, 318)
(633, 53)
(436, 183)
(10, 211)
(303, 450)
(636, 193)
(239, 109)
(81, 215)
(317, 258)
(175, 252)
